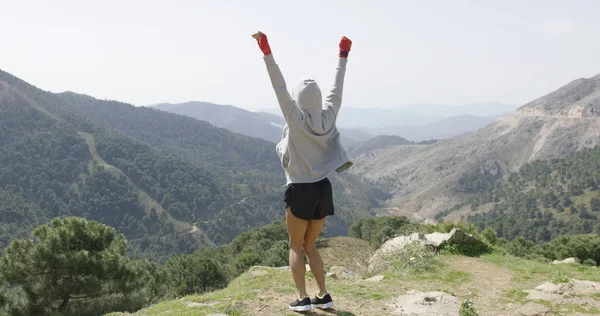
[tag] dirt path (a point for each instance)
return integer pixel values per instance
(487, 286)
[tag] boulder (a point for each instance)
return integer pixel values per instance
(376, 278)
(455, 236)
(340, 273)
(533, 309)
(566, 261)
(416, 303)
(392, 246)
(551, 292)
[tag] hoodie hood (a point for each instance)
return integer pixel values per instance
(308, 96)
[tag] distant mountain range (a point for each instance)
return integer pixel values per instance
(415, 115)
(445, 128)
(265, 125)
(414, 123)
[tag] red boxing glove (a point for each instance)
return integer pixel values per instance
(345, 45)
(263, 43)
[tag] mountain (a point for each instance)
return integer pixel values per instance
(170, 183)
(579, 98)
(416, 115)
(543, 200)
(265, 125)
(445, 128)
(377, 143)
(424, 180)
(229, 117)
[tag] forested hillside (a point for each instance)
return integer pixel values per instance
(170, 183)
(545, 199)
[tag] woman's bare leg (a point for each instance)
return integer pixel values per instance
(314, 258)
(296, 230)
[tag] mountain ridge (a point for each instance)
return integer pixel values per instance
(423, 180)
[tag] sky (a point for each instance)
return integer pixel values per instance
(403, 52)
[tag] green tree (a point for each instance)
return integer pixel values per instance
(190, 274)
(595, 204)
(70, 262)
(489, 235)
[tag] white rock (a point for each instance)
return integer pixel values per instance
(533, 309)
(376, 278)
(566, 261)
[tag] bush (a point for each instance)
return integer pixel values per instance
(489, 236)
(559, 277)
(414, 258)
(470, 250)
(590, 262)
(189, 274)
(582, 247)
(467, 308)
(377, 230)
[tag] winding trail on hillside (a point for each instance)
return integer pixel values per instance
(144, 198)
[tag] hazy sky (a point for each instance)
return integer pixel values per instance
(404, 52)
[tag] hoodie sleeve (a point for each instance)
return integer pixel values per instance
(334, 99)
(288, 105)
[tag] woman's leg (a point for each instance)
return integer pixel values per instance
(314, 258)
(296, 230)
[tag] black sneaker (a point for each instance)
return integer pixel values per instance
(302, 305)
(324, 302)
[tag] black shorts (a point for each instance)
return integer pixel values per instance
(310, 200)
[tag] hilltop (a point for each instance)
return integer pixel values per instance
(266, 291)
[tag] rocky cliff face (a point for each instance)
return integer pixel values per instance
(423, 180)
(579, 98)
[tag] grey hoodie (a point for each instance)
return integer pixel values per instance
(310, 148)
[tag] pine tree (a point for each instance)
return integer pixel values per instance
(68, 262)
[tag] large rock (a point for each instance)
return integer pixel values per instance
(551, 292)
(455, 236)
(391, 247)
(566, 261)
(533, 309)
(340, 273)
(376, 278)
(435, 240)
(416, 303)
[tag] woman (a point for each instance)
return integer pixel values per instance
(310, 151)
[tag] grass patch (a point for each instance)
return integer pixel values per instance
(517, 295)
(534, 270)
(415, 259)
(467, 308)
(559, 277)
(469, 250)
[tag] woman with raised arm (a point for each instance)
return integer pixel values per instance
(310, 151)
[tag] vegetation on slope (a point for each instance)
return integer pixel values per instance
(542, 201)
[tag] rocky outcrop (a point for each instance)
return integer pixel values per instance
(436, 240)
(566, 261)
(553, 292)
(533, 309)
(456, 236)
(580, 98)
(340, 273)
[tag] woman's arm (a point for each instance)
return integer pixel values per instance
(286, 103)
(334, 99)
